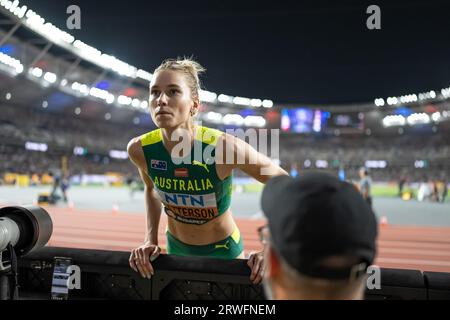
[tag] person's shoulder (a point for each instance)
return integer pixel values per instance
(151, 137)
(209, 135)
(135, 145)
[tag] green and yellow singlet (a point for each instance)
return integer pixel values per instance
(188, 187)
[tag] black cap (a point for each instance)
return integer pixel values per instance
(316, 216)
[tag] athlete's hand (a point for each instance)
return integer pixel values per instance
(140, 259)
(256, 263)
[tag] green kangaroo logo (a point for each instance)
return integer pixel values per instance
(218, 246)
(198, 163)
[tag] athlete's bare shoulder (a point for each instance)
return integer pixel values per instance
(135, 152)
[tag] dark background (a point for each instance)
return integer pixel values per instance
(288, 51)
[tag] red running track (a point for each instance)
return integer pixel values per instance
(402, 247)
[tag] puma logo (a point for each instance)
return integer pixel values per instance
(225, 246)
(198, 163)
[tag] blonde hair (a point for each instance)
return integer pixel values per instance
(190, 68)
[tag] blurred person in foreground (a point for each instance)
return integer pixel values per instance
(319, 243)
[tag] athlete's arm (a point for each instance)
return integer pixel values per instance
(153, 208)
(237, 153)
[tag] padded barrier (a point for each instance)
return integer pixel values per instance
(107, 275)
(438, 284)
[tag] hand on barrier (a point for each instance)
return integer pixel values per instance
(257, 264)
(141, 257)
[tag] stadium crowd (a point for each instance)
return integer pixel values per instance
(63, 132)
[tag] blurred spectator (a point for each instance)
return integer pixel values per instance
(320, 242)
(401, 185)
(365, 185)
(63, 132)
(425, 190)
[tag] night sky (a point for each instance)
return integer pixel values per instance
(302, 52)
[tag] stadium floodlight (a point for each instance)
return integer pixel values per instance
(379, 102)
(8, 96)
(118, 154)
(63, 82)
(241, 101)
(14, 8)
(11, 62)
(79, 151)
(102, 94)
(86, 50)
(267, 103)
(19, 69)
(76, 86)
(144, 75)
(77, 110)
(96, 92)
(37, 72)
(321, 164)
(393, 120)
(55, 33)
(233, 119)
(50, 77)
(36, 146)
(420, 164)
(407, 98)
(225, 99)
(110, 98)
(84, 89)
(213, 117)
(124, 100)
(122, 68)
(81, 88)
(44, 104)
(436, 116)
(107, 116)
(33, 19)
(144, 105)
(375, 164)
(392, 100)
(418, 118)
(256, 103)
(307, 163)
(207, 96)
(254, 121)
(427, 95)
(317, 122)
(35, 22)
(135, 103)
(445, 92)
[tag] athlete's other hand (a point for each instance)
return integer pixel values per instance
(140, 259)
(256, 263)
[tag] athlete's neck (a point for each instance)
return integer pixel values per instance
(170, 140)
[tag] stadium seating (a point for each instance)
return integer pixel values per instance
(63, 132)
